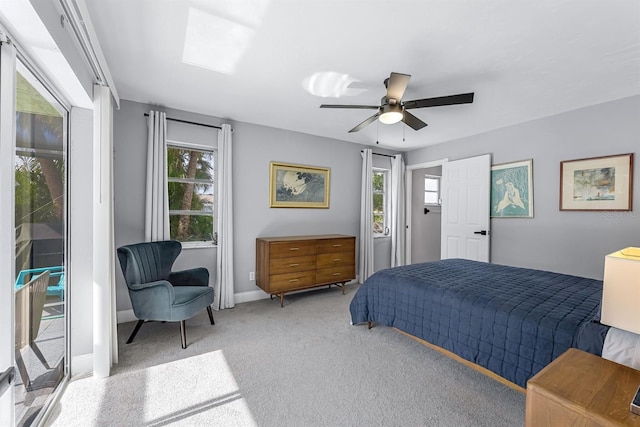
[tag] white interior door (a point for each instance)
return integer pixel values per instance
(465, 208)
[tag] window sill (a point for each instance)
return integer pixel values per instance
(381, 236)
(198, 245)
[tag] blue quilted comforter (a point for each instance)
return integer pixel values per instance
(512, 321)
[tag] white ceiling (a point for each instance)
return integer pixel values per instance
(524, 59)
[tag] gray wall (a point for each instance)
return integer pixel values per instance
(566, 242)
(254, 147)
(425, 229)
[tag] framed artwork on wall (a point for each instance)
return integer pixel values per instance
(597, 183)
(512, 190)
(299, 186)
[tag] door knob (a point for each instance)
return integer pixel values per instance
(483, 232)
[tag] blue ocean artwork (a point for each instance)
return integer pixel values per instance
(594, 184)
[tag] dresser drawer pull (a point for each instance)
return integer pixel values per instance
(294, 249)
(337, 274)
(293, 280)
(336, 246)
(293, 265)
(337, 259)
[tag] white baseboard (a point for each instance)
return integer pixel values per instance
(125, 316)
(248, 296)
(81, 365)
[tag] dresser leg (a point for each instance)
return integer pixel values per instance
(282, 299)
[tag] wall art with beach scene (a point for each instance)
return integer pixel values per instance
(597, 183)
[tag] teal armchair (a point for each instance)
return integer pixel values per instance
(159, 294)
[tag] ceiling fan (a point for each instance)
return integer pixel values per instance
(392, 109)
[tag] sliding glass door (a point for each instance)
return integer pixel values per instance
(41, 230)
(39, 291)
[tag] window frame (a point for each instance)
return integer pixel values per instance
(438, 191)
(385, 201)
(214, 184)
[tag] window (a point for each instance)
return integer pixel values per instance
(191, 185)
(380, 202)
(432, 190)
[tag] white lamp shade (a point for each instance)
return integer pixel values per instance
(621, 290)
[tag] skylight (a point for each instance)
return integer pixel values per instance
(213, 42)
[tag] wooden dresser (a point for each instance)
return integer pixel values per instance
(292, 263)
(580, 389)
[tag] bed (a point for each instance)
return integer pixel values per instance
(511, 321)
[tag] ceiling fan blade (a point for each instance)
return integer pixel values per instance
(413, 121)
(365, 123)
(396, 85)
(361, 107)
(463, 98)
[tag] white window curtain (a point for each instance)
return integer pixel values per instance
(156, 218)
(398, 220)
(366, 217)
(224, 260)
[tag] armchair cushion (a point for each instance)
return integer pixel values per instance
(189, 300)
(193, 277)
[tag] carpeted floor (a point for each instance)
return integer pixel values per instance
(301, 365)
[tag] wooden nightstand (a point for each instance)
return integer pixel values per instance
(580, 389)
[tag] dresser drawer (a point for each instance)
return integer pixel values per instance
(336, 245)
(291, 265)
(292, 249)
(337, 259)
(336, 274)
(291, 281)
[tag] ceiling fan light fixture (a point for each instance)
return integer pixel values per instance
(391, 114)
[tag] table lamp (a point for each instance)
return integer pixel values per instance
(621, 290)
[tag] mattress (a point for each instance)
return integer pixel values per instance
(512, 321)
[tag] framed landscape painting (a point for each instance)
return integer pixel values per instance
(597, 184)
(512, 190)
(299, 186)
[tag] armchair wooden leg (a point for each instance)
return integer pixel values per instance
(135, 331)
(210, 315)
(23, 371)
(183, 334)
(39, 354)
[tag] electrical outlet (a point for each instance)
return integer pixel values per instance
(252, 276)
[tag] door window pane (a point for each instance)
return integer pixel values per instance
(431, 190)
(40, 220)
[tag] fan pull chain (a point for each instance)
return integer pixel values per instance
(377, 131)
(403, 132)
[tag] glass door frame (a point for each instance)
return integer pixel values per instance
(15, 61)
(7, 220)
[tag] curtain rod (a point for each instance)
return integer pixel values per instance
(188, 122)
(379, 154)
